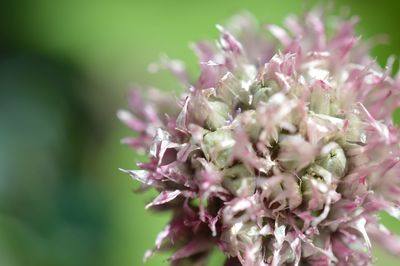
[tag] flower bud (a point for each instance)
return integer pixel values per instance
(261, 95)
(218, 146)
(321, 173)
(248, 120)
(334, 107)
(311, 191)
(239, 181)
(333, 159)
(320, 102)
(230, 90)
(355, 132)
(218, 114)
(295, 152)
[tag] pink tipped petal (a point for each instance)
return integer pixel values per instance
(164, 197)
(194, 247)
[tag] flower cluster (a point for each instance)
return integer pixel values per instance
(281, 152)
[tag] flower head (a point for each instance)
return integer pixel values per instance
(280, 153)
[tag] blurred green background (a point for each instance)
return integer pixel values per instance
(65, 68)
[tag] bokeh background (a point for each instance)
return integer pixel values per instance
(65, 68)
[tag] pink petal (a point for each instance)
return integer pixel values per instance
(164, 197)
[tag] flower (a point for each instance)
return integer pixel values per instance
(282, 152)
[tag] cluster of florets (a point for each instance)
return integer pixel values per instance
(281, 152)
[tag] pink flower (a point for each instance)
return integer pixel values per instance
(280, 153)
